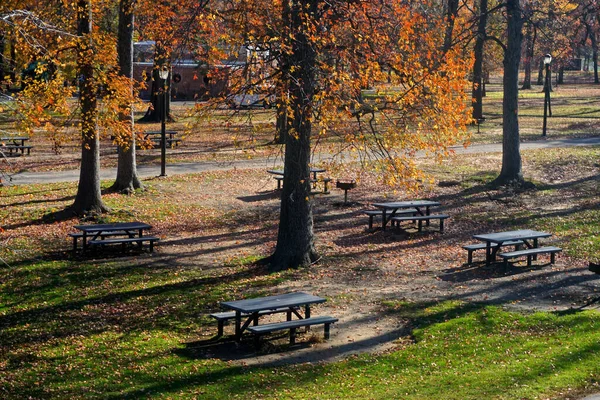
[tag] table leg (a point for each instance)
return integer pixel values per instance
(84, 242)
(535, 244)
(238, 325)
(488, 253)
(307, 315)
(383, 219)
(427, 212)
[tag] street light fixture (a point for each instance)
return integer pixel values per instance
(163, 74)
(547, 106)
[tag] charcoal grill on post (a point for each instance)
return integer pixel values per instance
(345, 186)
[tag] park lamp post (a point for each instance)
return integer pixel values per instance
(547, 107)
(163, 74)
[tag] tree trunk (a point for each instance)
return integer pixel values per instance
(529, 42)
(511, 172)
(281, 123)
(477, 90)
(127, 179)
(3, 68)
(594, 55)
(282, 120)
(561, 76)
(295, 239)
(540, 78)
(88, 198)
(155, 112)
(13, 59)
(451, 13)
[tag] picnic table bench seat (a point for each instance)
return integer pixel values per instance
(16, 148)
(378, 213)
(480, 246)
(79, 235)
(225, 316)
(420, 218)
(552, 250)
(139, 240)
(260, 330)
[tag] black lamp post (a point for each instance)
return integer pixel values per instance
(547, 107)
(163, 73)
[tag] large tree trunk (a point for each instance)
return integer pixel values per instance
(127, 179)
(511, 172)
(281, 122)
(477, 90)
(295, 239)
(529, 44)
(88, 198)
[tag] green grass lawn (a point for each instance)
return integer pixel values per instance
(135, 339)
(138, 326)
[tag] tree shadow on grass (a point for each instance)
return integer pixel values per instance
(479, 271)
(273, 194)
(92, 315)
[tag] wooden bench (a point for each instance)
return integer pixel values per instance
(378, 213)
(124, 241)
(260, 330)
(420, 218)
(479, 246)
(77, 235)
(10, 149)
(531, 253)
(223, 317)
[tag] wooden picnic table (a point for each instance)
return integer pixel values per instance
(149, 134)
(422, 207)
(527, 236)
(313, 171)
(251, 308)
(280, 173)
(94, 231)
(15, 143)
(156, 137)
(14, 140)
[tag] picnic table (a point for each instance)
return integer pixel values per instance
(494, 241)
(251, 309)
(313, 171)
(156, 137)
(14, 140)
(422, 207)
(120, 232)
(279, 173)
(15, 143)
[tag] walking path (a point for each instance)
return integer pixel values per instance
(145, 171)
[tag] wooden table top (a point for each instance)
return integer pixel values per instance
(294, 299)
(119, 226)
(521, 234)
